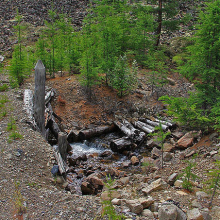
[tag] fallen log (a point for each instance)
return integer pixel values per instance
(94, 132)
(154, 123)
(60, 162)
(48, 96)
(144, 127)
(136, 134)
(123, 128)
(164, 122)
(121, 144)
(50, 121)
(28, 106)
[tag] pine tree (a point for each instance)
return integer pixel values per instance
(125, 78)
(18, 67)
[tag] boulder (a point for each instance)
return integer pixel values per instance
(106, 153)
(92, 184)
(171, 212)
(167, 147)
(148, 214)
(146, 202)
(135, 206)
(155, 153)
(187, 140)
(178, 183)
(134, 160)
(202, 195)
(172, 178)
(114, 194)
(156, 185)
(116, 201)
(194, 214)
(75, 159)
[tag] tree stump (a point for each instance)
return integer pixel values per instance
(39, 96)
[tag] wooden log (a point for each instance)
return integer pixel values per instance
(63, 145)
(121, 144)
(164, 122)
(123, 128)
(154, 123)
(50, 121)
(146, 128)
(94, 132)
(28, 103)
(60, 162)
(136, 134)
(39, 96)
(29, 107)
(48, 96)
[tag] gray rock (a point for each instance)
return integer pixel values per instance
(213, 152)
(135, 206)
(148, 214)
(206, 215)
(196, 204)
(156, 185)
(178, 183)
(167, 212)
(146, 202)
(154, 207)
(167, 156)
(202, 195)
(216, 210)
(194, 214)
(155, 153)
(116, 201)
(171, 212)
(172, 178)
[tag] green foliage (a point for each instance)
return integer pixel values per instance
(14, 135)
(213, 183)
(160, 137)
(19, 199)
(19, 68)
(3, 88)
(179, 59)
(203, 62)
(124, 78)
(188, 175)
(108, 208)
(3, 99)
(11, 124)
(188, 111)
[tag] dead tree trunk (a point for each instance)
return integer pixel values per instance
(51, 123)
(87, 134)
(164, 122)
(123, 128)
(63, 145)
(136, 134)
(144, 127)
(39, 96)
(154, 123)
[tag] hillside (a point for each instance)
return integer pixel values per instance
(143, 189)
